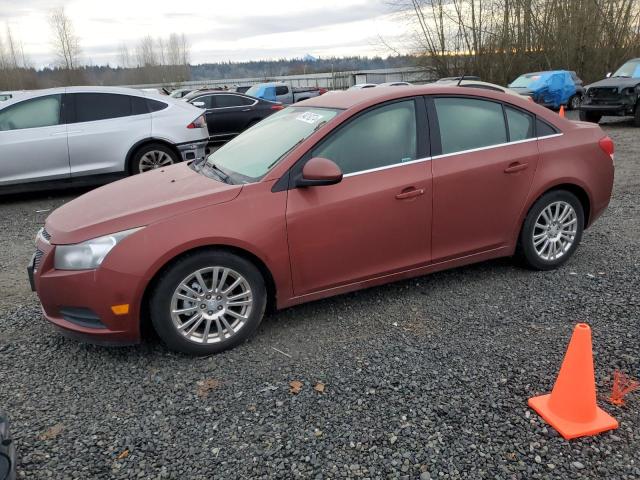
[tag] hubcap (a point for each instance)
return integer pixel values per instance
(211, 305)
(555, 230)
(154, 159)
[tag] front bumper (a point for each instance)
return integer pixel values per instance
(193, 150)
(78, 303)
(617, 109)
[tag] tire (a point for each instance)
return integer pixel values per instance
(228, 325)
(152, 156)
(574, 102)
(636, 117)
(593, 117)
(537, 231)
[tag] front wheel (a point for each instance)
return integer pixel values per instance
(208, 302)
(592, 117)
(551, 231)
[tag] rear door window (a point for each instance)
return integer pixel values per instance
(226, 101)
(469, 123)
(33, 113)
(90, 107)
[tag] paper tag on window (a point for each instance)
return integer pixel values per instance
(309, 117)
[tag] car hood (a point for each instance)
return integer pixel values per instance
(620, 82)
(136, 201)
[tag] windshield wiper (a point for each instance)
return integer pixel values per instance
(219, 172)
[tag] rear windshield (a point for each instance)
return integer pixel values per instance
(250, 156)
(524, 81)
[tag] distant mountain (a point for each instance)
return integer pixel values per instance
(309, 58)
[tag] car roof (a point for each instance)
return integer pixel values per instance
(362, 98)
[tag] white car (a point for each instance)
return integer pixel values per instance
(90, 135)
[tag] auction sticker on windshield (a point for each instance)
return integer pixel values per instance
(309, 117)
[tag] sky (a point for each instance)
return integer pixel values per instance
(216, 30)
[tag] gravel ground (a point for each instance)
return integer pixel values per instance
(425, 378)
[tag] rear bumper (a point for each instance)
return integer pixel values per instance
(193, 150)
(78, 303)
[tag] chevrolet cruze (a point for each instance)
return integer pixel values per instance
(338, 193)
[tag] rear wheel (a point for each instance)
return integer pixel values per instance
(552, 230)
(208, 302)
(574, 102)
(636, 118)
(152, 156)
(593, 117)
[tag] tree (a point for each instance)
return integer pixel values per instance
(65, 43)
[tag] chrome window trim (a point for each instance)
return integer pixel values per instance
(435, 157)
(386, 167)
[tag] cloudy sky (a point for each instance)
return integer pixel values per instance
(217, 30)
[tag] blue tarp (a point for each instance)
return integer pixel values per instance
(552, 88)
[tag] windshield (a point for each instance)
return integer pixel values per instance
(631, 69)
(249, 157)
(525, 81)
(253, 91)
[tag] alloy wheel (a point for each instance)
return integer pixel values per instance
(154, 159)
(555, 230)
(211, 305)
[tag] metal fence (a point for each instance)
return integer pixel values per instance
(329, 80)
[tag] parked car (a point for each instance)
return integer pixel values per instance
(361, 86)
(241, 88)
(229, 113)
(616, 95)
(89, 135)
(340, 193)
(463, 77)
(394, 84)
(477, 84)
(283, 93)
(551, 89)
(181, 92)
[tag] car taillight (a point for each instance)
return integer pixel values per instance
(606, 144)
(277, 107)
(322, 91)
(199, 122)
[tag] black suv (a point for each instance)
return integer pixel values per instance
(616, 95)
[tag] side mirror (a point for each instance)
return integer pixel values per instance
(198, 104)
(319, 171)
(608, 74)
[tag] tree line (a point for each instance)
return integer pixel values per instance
(500, 39)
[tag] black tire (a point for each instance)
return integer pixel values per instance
(636, 117)
(574, 102)
(136, 165)
(526, 251)
(593, 117)
(160, 304)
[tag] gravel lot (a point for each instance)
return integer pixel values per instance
(425, 378)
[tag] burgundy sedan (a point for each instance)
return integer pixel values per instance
(335, 194)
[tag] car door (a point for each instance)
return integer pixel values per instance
(230, 114)
(33, 141)
(485, 157)
(103, 129)
(376, 221)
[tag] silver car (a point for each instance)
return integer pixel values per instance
(92, 135)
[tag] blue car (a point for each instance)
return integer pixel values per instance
(551, 89)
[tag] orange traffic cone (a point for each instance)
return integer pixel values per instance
(561, 112)
(571, 406)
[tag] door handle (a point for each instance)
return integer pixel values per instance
(74, 131)
(516, 167)
(57, 134)
(246, 109)
(414, 192)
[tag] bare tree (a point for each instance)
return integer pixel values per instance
(15, 71)
(65, 43)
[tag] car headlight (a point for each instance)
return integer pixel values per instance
(90, 254)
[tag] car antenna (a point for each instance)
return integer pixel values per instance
(460, 80)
